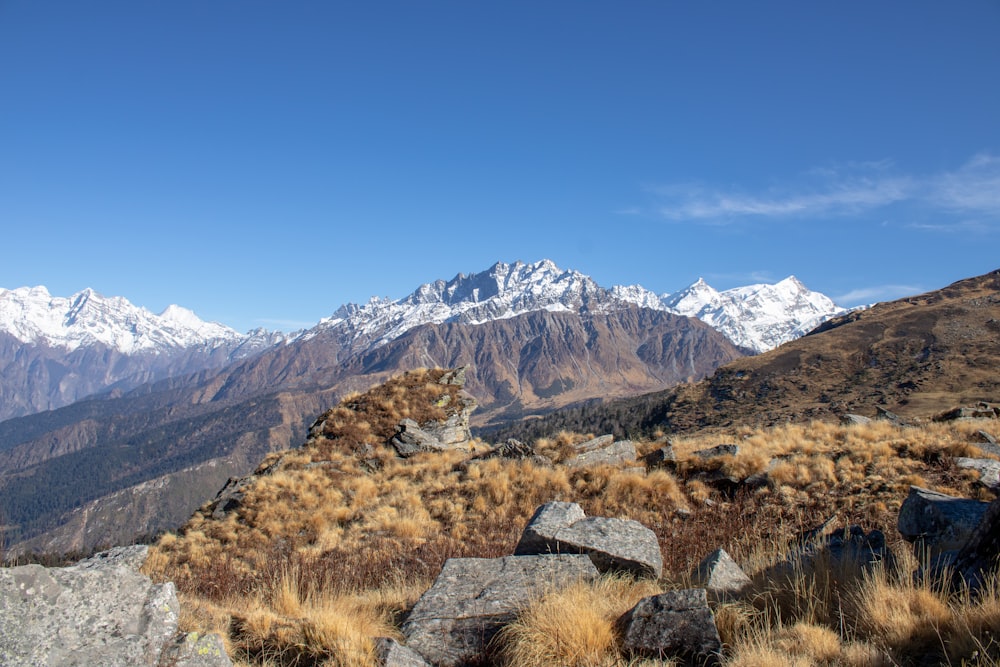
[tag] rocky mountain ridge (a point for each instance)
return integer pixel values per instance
(56, 350)
(756, 317)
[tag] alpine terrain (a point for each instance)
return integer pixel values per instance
(533, 338)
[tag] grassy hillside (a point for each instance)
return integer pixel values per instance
(334, 541)
(915, 357)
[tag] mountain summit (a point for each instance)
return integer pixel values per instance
(756, 317)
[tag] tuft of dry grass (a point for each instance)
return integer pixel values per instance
(574, 626)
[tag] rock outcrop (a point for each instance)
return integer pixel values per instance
(101, 611)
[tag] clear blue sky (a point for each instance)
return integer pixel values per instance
(263, 162)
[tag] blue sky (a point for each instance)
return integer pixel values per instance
(262, 163)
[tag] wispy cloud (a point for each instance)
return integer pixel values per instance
(973, 190)
(866, 295)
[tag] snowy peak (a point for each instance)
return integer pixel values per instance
(501, 292)
(692, 299)
(33, 316)
(757, 317)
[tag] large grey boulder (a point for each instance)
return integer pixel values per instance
(719, 574)
(980, 555)
(453, 622)
(613, 544)
(101, 611)
(937, 523)
(677, 624)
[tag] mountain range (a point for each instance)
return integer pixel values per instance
(140, 458)
(55, 350)
(916, 358)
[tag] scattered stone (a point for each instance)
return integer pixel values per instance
(613, 544)
(988, 469)
(599, 442)
(718, 450)
(979, 411)
(230, 497)
(515, 450)
(982, 436)
(390, 653)
(980, 555)
(664, 457)
(453, 622)
(935, 522)
(622, 451)
(101, 611)
(677, 624)
(881, 414)
(719, 573)
(854, 420)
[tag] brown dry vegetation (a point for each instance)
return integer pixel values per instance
(336, 540)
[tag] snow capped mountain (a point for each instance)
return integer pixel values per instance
(501, 292)
(759, 317)
(32, 315)
(57, 350)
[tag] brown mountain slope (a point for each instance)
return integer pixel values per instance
(915, 357)
(62, 473)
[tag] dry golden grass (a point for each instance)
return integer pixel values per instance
(574, 627)
(338, 539)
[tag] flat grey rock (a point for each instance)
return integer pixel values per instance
(615, 453)
(988, 469)
(600, 442)
(854, 420)
(677, 624)
(612, 544)
(454, 621)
